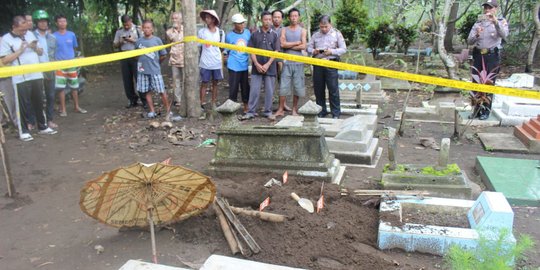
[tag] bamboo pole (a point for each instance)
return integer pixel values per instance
(5, 164)
(227, 232)
(262, 215)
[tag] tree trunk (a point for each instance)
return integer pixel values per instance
(135, 12)
(449, 37)
(190, 104)
(447, 59)
(434, 25)
(536, 38)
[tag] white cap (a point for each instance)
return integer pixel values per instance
(238, 18)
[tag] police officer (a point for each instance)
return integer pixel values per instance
(329, 44)
(486, 36)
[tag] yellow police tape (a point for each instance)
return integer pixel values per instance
(18, 70)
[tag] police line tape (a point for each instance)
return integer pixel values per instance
(93, 60)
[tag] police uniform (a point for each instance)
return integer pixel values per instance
(486, 37)
(325, 77)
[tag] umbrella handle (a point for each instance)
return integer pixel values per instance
(152, 235)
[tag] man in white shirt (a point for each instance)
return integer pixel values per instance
(210, 63)
(29, 86)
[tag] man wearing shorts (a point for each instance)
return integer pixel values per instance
(293, 41)
(210, 63)
(67, 80)
(149, 77)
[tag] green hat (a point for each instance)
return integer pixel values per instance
(40, 15)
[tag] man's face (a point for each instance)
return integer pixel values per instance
(127, 25)
(239, 27)
(294, 18)
(277, 19)
(176, 19)
(148, 29)
(209, 20)
(20, 29)
(324, 27)
(490, 10)
(43, 25)
(61, 23)
(267, 21)
(29, 24)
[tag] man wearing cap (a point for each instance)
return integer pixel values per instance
(237, 62)
(486, 36)
(47, 41)
(210, 63)
(328, 44)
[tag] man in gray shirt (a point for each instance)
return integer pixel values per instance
(329, 44)
(293, 41)
(125, 39)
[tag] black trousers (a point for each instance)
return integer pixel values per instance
(491, 63)
(238, 79)
(31, 104)
(129, 77)
(323, 78)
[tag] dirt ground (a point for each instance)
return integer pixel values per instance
(44, 227)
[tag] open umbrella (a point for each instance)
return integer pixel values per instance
(143, 195)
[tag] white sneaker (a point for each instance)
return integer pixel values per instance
(47, 131)
(174, 118)
(26, 137)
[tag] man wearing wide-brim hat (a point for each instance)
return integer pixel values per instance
(210, 63)
(486, 36)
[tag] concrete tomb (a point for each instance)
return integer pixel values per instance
(441, 179)
(529, 134)
(359, 95)
(298, 150)
(351, 140)
(486, 217)
(517, 179)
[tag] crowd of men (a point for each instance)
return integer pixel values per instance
(24, 95)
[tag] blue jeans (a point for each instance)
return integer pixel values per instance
(323, 78)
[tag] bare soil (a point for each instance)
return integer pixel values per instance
(44, 228)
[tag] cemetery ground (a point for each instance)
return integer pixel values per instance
(43, 227)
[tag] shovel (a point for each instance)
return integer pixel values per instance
(304, 203)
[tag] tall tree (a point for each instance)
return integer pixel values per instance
(536, 38)
(190, 105)
(448, 59)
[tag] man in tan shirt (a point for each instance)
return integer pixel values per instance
(176, 60)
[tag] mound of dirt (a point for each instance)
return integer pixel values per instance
(342, 236)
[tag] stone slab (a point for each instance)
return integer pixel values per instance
(218, 262)
(374, 161)
(365, 156)
(531, 108)
(517, 80)
(450, 186)
(492, 121)
(361, 145)
(507, 120)
(393, 84)
(517, 179)
(502, 142)
(140, 265)
(331, 126)
(491, 210)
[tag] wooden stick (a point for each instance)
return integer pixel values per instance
(5, 163)
(262, 215)
(227, 232)
(237, 225)
(152, 235)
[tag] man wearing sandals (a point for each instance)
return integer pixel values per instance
(67, 80)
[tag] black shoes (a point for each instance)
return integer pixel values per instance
(131, 105)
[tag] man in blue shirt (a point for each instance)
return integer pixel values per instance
(66, 79)
(237, 62)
